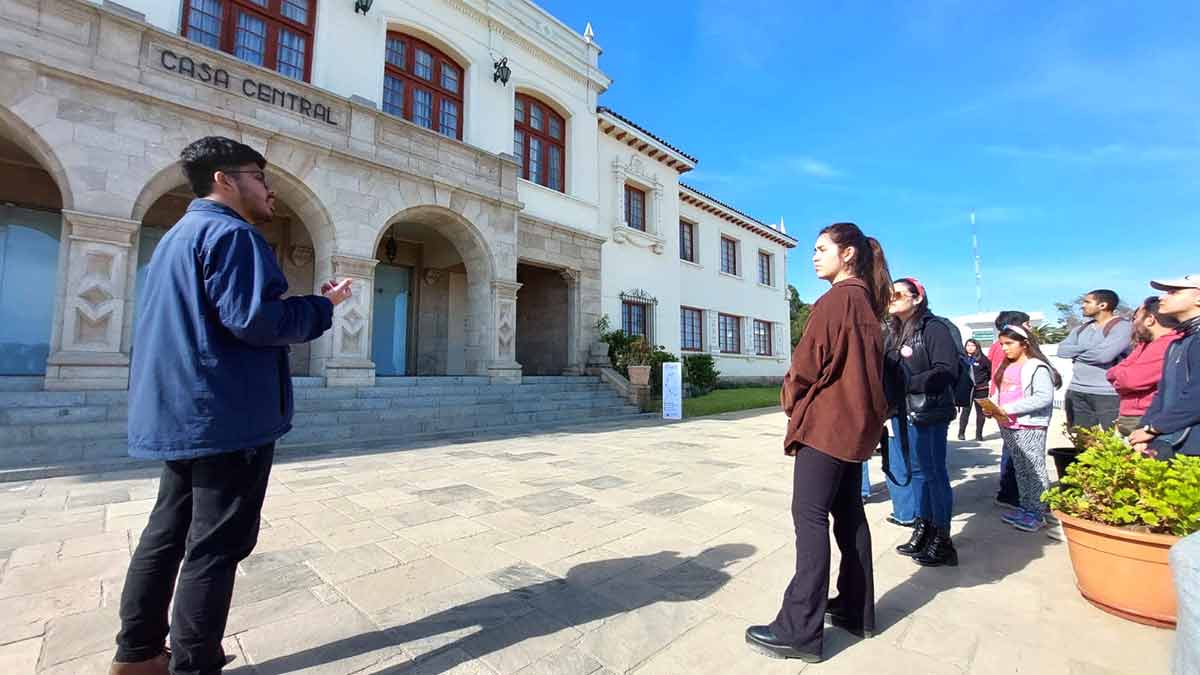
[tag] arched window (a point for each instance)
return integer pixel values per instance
(539, 142)
(275, 34)
(422, 85)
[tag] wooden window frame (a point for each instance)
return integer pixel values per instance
(684, 324)
(737, 322)
(273, 16)
(647, 319)
(688, 253)
(733, 256)
(633, 189)
(433, 86)
(765, 348)
(769, 260)
(524, 126)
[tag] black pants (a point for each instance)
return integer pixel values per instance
(823, 486)
(207, 517)
(1089, 410)
(979, 420)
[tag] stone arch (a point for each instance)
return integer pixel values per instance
(478, 337)
(435, 38)
(302, 200)
(32, 143)
(543, 95)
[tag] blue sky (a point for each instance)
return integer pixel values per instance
(1072, 129)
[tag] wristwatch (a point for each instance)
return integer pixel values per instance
(1150, 430)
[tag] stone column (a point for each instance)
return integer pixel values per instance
(503, 366)
(349, 361)
(89, 342)
(712, 336)
(574, 348)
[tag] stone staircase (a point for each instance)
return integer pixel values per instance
(45, 433)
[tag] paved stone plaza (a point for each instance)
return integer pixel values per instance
(643, 548)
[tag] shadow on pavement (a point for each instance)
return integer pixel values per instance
(536, 604)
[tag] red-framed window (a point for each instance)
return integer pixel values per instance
(275, 34)
(687, 241)
(635, 208)
(635, 318)
(729, 256)
(762, 338)
(540, 143)
(691, 329)
(422, 85)
(729, 329)
(764, 268)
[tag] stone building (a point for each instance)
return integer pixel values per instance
(449, 156)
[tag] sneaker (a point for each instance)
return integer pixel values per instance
(1012, 517)
(1030, 522)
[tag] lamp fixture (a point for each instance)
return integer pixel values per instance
(389, 246)
(363, 6)
(502, 71)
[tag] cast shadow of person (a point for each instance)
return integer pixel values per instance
(535, 604)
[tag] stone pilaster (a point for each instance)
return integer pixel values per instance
(89, 344)
(349, 361)
(747, 335)
(575, 350)
(503, 365)
(712, 335)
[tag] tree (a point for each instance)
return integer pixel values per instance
(798, 311)
(1049, 335)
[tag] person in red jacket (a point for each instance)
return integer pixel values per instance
(1136, 378)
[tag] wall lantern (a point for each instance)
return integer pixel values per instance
(502, 71)
(362, 6)
(389, 246)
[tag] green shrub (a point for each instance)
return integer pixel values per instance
(700, 373)
(1112, 484)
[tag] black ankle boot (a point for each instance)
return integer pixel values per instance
(939, 551)
(922, 531)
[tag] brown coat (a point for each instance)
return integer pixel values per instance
(833, 393)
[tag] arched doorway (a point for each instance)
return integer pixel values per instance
(286, 233)
(30, 237)
(432, 297)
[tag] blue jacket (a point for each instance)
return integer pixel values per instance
(210, 357)
(1175, 410)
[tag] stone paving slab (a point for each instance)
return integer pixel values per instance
(644, 550)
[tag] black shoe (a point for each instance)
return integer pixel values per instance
(979, 439)
(922, 532)
(939, 551)
(1007, 502)
(962, 437)
(836, 617)
(901, 523)
(765, 642)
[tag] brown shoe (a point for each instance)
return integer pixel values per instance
(159, 665)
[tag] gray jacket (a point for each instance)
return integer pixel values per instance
(1094, 352)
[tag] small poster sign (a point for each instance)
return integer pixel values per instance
(672, 390)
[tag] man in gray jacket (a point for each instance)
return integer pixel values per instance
(1102, 341)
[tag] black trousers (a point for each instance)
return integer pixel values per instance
(979, 420)
(207, 517)
(823, 486)
(1089, 410)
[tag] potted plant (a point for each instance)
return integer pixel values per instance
(637, 358)
(1121, 513)
(1063, 457)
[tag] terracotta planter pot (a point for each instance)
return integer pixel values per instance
(1122, 572)
(639, 375)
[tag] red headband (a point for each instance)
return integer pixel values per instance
(915, 284)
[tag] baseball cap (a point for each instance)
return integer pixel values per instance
(1186, 281)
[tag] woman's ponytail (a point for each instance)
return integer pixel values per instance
(869, 263)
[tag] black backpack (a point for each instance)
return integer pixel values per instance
(964, 382)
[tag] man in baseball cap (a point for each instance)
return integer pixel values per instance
(1172, 423)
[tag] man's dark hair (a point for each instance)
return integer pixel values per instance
(215, 153)
(1150, 306)
(1010, 317)
(1106, 296)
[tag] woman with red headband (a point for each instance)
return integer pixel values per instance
(922, 359)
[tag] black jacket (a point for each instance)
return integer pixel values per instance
(930, 370)
(981, 373)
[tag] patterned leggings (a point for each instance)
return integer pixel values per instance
(1027, 447)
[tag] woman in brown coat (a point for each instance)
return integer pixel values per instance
(834, 398)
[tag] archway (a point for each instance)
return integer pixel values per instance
(32, 196)
(432, 306)
(160, 207)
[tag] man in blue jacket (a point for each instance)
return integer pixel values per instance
(1172, 422)
(209, 394)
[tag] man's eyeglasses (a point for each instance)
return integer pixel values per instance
(258, 175)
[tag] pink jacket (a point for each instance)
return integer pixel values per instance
(1136, 378)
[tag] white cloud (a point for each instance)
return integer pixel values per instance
(810, 166)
